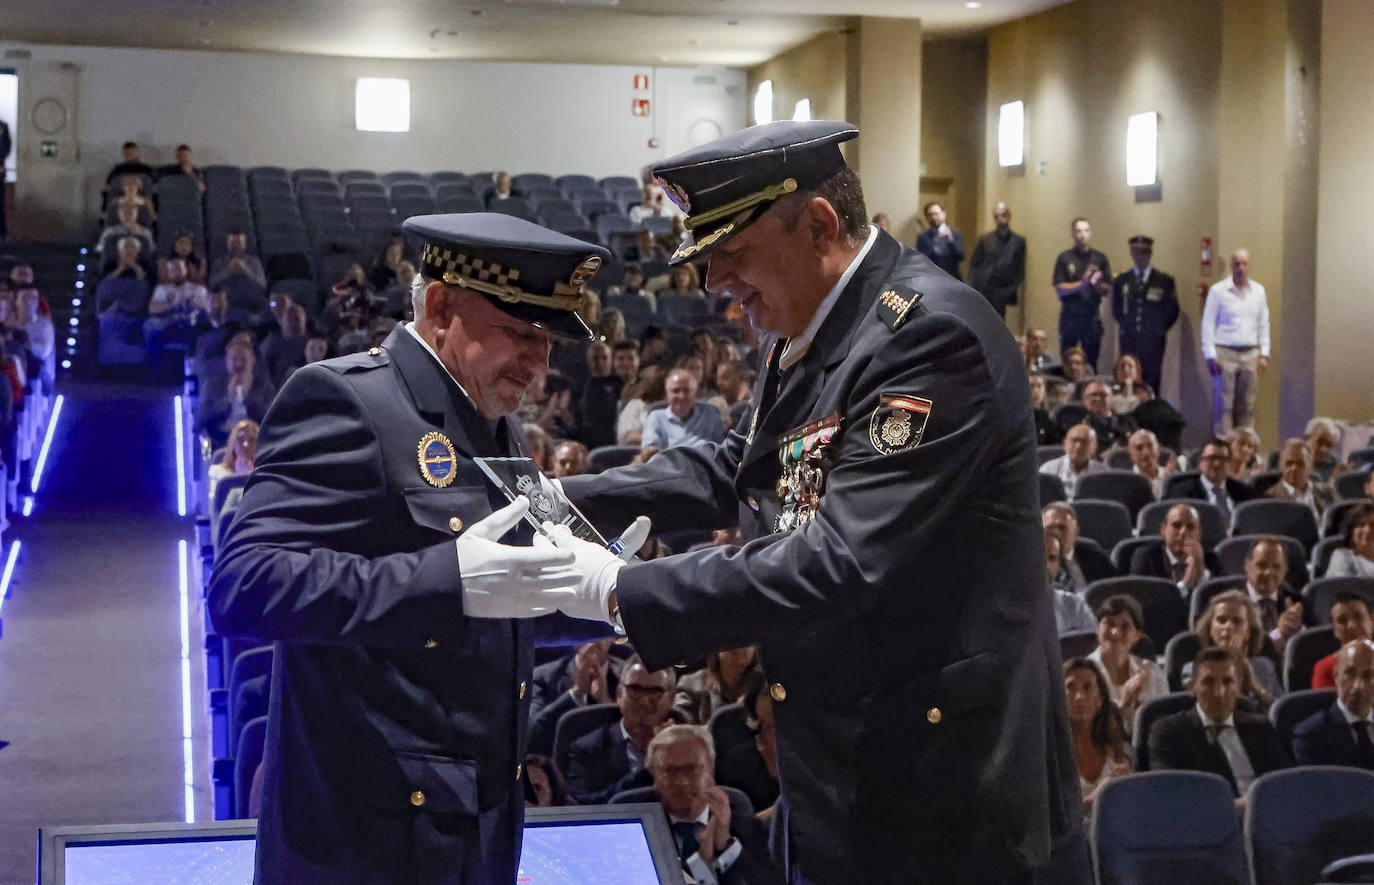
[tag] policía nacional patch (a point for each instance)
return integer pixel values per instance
(438, 460)
(899, 422)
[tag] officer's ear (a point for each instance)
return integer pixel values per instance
(822, 222)
(438, 305)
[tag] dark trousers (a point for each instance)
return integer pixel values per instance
(1084, 332)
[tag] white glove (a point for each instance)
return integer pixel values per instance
(597, 566)
(504, 581)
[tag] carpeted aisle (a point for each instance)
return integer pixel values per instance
(90, 675)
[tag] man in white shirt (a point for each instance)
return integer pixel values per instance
(1144, 449)
(1235, 343)
(718, 843)
(1080, 445)
(173, 310)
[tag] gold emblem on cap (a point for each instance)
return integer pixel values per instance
(585, 271)
(689, 249)
(677, 194)
(438, 459)
(772, 192)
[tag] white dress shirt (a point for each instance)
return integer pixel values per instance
(1062, 467)
(1216, 494)
(1229, 740)
(1156, 481)
(702, 872)
(796, 347)
(1235, 318)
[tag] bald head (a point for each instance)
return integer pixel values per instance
(1144, 449)
(1240, 267)
(1355, 676)
(1001, 216)
(1080, 444)
(1182, 528)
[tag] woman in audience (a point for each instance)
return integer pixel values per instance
(1125, 374)
(1233, 621)
(384, 268)
(544, 786)
(685, 280)
(1076, 368)
(728, 676)
(635, 400)
(397, 294)
(238, 393)
(612, 326)
(1046, 433)
(239, 453)
(1245, 457)
(1355, 558)
(1132, 681)
(1100, 746)
(183, 247)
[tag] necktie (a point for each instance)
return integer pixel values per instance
(686, 834)
(1180, 569)
(1269, 613)
(1219, 499)
(1364, 747)
(1226, 737)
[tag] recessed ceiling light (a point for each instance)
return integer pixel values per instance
(972, 5)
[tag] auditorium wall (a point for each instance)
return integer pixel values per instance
(296, 110)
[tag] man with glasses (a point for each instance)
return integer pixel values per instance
(1211, 483)
(610, 759)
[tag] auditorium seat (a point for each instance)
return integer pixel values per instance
(575, 182)
(1321, 554)
(1045, 454)
(356, 175)
(249, 685)
(1318, 595)
(1178, 653)
(577, 722)
(1261, 482)
(252, 741)
(460, 204)
(364, 189)
(409, 206)
(445, 189)
(618, 182)
(1077, 644)
(1178, 480)
(447, 176)
(729, 727)
(605, 457)
(1233, 550)
(1291, 709)
(658, 225)
(1166, 614)
(1299, 820)
(1213, 526)
(1334, 516)
(1147, 715)
(300, 174)
(403, 175)
(1126, 548)
(416, 189)
(1106, 522)
(594, 206)
(517, 206)
(1051, 489)
(1203, 593)
(1139, 835)
(1093, 560)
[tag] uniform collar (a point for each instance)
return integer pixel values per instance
(410, 327)
(797, 347)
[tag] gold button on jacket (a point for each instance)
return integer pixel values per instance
(374, 351)
(417, 798)
(431, 643)
(933, 715)
(778, 692)
(523, 687)
(455, 523)
(519, 768)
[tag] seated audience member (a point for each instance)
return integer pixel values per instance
(500, 189)
(1214, 736)
(540, 446)
(239, 454)
(132, 195)
(1144, 449)
(1038, 357)
(751, 766)
(1046, 432)
(625, 364)
(882, 222)
(1232, 622)
(1245, 458)
(611, 759)
(1350, 620)
(128, 263)
(316, 347)
(544, 786)
(1101, 745)
(183, 166)
(684, 420)
(1132, 681)
(238, 262)
(1125, 375)
(1355, 557)
(1061, 516)
(183, 248)
(684, 280)
(728, 676)
(651, 248)
(1296, 482)
(1180, 558)
(549, 403)
(1080, 447)
(1280, 609)
(385, 270)
(611, 327)
(651, 205)
(1112, 430)
(600, 400)
(590, 675)
(283, 350)
(632, 283)
(1076, 368)
(1071, 613)
(635, 400)
(654, 348)
(127, 226)
(569, 459)
(130, 164)
(1322, 436)
(1343, 734)
(174, 310)
(213, 334)
(718, 840)
(35, 318)
(237, 394)
(1212, 484)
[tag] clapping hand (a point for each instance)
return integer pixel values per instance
(715, 836)
(1290, 619)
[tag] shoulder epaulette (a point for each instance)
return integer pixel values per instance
(895, 303)
(373, 358)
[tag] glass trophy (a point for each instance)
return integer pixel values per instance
(521, 476)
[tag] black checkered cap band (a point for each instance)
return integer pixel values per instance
(442, 261)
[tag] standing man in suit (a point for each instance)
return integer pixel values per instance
(941, 243)
(1212, 484)
(998, 267)
(370, 549)
(892, 448)
(717, 836)
(1145, 306)
(1343, 734)
(1213, 736)
(1180, 558)
(1082, 277)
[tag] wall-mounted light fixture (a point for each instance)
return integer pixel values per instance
(1142, 149)
(382, 105)
(802, 110)
(763, 102)
(1011, 134)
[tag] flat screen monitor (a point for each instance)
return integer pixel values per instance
(580, 845)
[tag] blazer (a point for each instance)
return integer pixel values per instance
(1193, 489)
(1151, 562)
(1180, 741)
(1325, 738)
(897, 650)
(396, 726)
(1323, 495)
(946, 258)
(599, 766)
(551, 697)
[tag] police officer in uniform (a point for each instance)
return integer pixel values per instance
(893, 564)
(392, 579)
(1145, 306)
(1082, 276)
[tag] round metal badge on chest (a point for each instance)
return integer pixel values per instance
(438, 459)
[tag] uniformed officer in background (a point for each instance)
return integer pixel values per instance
(893, 570)
(1145, 306)
(1082, 276)
(399, 700)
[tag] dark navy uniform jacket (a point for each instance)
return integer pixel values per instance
(906, 628)
(1144, 313)
(396, 725)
